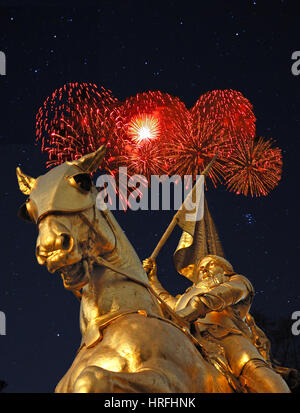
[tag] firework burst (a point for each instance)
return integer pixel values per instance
(144, 127)
(191, 152)
(229, 109)
(146, 124)
(218, 119)
(153, 133)
(254, 168)
(76, 119)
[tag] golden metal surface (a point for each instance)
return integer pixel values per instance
(218, 304)
(198, 240)
(127, 346)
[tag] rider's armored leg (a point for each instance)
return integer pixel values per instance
(246, 363)
(258, 377)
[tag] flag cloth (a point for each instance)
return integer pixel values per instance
(192, 209)
(199, 237)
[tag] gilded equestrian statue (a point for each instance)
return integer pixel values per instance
(128, 344)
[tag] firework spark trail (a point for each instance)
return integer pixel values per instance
(147, 124)
(217, 120)
(144, 127)
(190, 153)
(73, 121)
(77, 119)
(230, 109)
(153, 133)
(254, 168)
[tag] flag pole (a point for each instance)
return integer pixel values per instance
(175, 218)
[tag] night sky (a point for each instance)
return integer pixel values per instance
(184, 48)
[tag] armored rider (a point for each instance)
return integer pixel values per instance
(217, 304)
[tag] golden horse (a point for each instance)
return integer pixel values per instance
(128, 344)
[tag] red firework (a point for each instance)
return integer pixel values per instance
(144, 127)
(254, 167)
(146, 124)
(218, 119)
(229, 109)
(190, 153)
(153, 133)
(76, 119)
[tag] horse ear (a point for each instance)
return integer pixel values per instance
(26, 183)
(90, 162)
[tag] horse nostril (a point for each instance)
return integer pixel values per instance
(66, 241)
(41, 259)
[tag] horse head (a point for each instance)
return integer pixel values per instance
(72, 232)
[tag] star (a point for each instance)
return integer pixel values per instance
(246, 225)
(249, 218)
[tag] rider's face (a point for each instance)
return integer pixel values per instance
(209, 267)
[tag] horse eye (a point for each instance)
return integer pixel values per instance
(83, 181)
(23, 213)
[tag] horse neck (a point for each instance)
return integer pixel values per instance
(112, 291)
(124, 257)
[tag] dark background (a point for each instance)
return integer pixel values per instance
(184, 48)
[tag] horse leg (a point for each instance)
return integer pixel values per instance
(94, 379)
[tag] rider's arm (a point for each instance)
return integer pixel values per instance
(151, 270)
(236, 289)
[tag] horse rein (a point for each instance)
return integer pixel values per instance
(183, 325)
